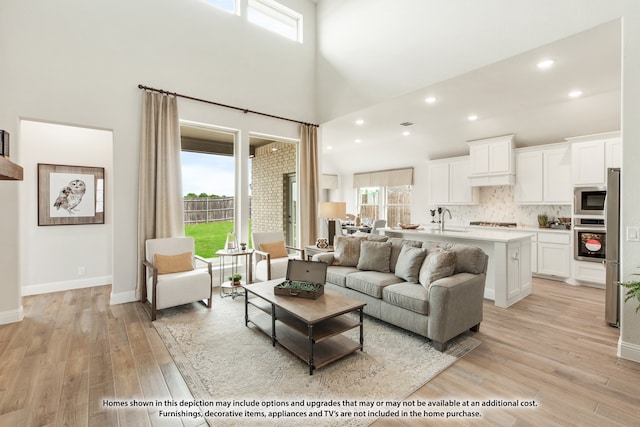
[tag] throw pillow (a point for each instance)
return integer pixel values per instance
(173, 263)
(438, 264)
(346, 251)
(409, 262)
(397, 247)
(275, 249)
(374, 256)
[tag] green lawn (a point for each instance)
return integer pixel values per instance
(209, 237)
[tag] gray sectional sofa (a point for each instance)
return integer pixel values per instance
(434, 289)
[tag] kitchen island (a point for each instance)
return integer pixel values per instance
(509, 269)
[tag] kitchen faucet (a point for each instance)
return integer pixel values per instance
(442, 212)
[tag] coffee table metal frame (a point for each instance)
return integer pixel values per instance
(310, 329)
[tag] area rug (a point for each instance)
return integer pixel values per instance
(238, 378)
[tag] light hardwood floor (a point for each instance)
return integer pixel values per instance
(73, 351)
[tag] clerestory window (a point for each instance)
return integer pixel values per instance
(276, 17)
(230, 6)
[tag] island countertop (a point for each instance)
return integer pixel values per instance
(509, 268)
(491, 235)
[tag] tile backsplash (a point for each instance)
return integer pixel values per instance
(497, 205)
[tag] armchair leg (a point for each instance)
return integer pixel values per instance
(475, 328)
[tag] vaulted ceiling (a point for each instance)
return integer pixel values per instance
(509, 96)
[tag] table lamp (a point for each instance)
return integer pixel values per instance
(332, 211)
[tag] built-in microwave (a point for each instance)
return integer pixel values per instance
(589, 200)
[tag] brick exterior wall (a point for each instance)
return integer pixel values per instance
(268, 185)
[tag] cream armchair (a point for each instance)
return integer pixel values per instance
(170, 274)
(272, 255)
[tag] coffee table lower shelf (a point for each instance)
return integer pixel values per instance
(317, 344)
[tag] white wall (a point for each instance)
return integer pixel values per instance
(79, 62)
(629, 346)
(52, 255)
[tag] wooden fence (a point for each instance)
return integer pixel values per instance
(208, 209)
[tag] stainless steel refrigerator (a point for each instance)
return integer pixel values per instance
(612, 260)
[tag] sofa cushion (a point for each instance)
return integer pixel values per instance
(396, 247)
(374, 256)
(409, 262)
(370, 282)
(407, 295)
(346, 250)
(470, 259)
(376, 237)
(439, 263)
(337, 274)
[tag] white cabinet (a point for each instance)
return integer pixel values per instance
(592, 272)
(492, 161)
(543, 175)
(529, 169)
(613, 153)
(518, 270)
(557, 176)
(592, 155)
(449, 182)
(588, 163)
(554, 254)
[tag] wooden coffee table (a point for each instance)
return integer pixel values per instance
(310, 329)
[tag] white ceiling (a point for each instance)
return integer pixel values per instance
(510, 97)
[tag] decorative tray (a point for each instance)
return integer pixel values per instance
(409, 226)
(294, 288)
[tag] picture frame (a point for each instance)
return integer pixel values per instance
(70, 195)
(4, 143)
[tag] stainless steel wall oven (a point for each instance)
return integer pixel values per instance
(590, 240)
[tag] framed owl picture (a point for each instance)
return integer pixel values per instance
(70, 195)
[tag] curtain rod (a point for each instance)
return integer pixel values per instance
(244, 110)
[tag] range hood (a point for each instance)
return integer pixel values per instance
(492, 161)
(10, 171)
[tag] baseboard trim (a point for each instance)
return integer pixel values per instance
(123, 297)
(629, 351)
(11, 316)
(45, 288)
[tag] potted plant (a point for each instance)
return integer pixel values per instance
(633, 290)
(543, 220)
(243, 246)
(235, 279)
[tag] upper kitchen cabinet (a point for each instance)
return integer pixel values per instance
(492, 161)
(449, 182)
(543, 175)
(591, 155)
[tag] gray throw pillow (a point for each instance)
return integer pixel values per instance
(396, 247)
(374, 256)
(346, 250)
(409, 262)
(438, 264)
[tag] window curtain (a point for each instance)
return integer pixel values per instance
(309, 184)
(160, 200)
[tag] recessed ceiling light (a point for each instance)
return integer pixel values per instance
(329, 147)
(575, 93)
(546, 64)
(472, 117)
(430, 100)
(359, 122)
(358, 141)
(406, 133)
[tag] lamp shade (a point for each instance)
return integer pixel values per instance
(333, 210)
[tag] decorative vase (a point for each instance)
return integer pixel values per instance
(231, 244)
(322, 243)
